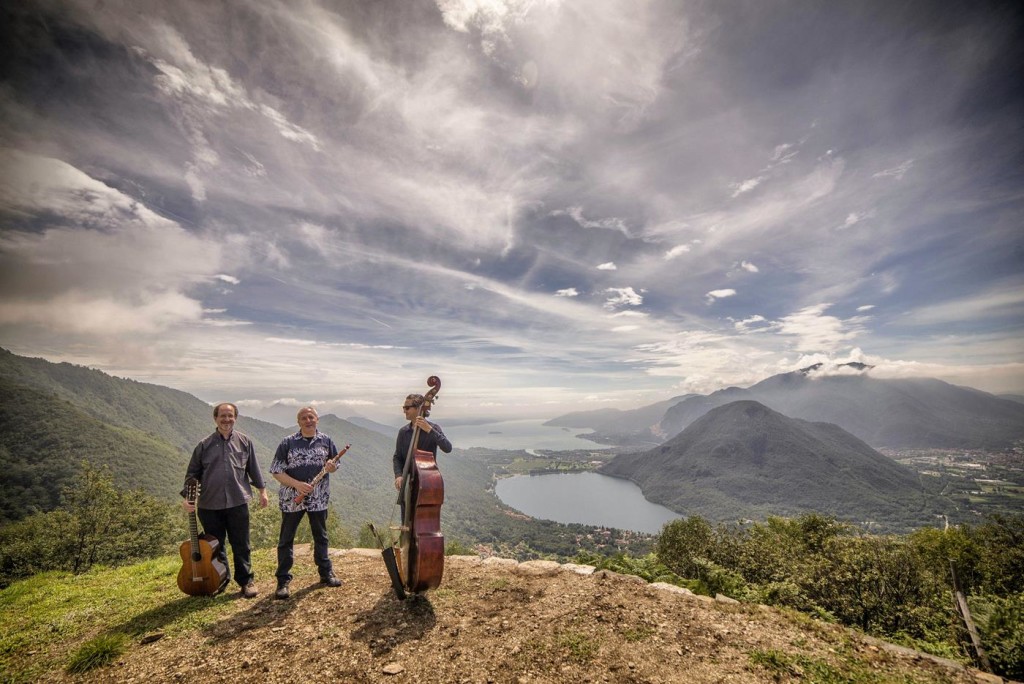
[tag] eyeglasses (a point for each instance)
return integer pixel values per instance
(407, 407)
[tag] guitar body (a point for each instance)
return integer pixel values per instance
(203, 575)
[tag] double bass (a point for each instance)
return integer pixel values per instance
(201, 574)
(421, 545)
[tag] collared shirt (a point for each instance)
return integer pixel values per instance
(428, 441)
(225, 468)
(303, 458)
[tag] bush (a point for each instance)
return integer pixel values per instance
(96, 524)
(1002, 634)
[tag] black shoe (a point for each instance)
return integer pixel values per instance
(331, 581)
(282, 590)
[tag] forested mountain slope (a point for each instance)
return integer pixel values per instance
(744, 460)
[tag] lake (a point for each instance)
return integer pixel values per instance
(586, 498)
(518, 434)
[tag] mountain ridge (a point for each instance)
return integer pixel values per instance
(745, 460)
(884, 412)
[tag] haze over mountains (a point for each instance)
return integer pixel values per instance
(908, 413)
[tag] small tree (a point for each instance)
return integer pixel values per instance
(683, 543)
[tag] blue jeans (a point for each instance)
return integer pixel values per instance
(232, 523)
(285, 543)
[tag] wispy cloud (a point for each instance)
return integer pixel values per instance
(530, 199)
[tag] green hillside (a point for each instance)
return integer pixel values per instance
(175, 417)
(44, 439)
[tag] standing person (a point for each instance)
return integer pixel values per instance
(225, 465)
(431, 437)
(299, 458)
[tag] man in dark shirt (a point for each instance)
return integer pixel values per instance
(300, 458)
(431, 438)
(225, 465)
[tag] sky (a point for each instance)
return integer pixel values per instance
(552, 205)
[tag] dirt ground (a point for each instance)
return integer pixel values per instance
(499, 621)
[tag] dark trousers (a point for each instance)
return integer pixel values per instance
(232, 523)
(285, 543)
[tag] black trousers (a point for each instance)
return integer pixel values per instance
(232, 523)
(286, 540)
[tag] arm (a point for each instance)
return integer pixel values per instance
(398, 461)
(256, 475)
(289, 481)
(443, 443)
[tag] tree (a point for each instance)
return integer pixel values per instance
(683, 543)
(96, 523)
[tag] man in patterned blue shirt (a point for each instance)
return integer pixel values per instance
(299, 458)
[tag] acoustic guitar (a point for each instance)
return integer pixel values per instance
(201, 574)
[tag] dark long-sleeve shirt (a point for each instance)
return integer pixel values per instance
(225, 469)
(428, 441)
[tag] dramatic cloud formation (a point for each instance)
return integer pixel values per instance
(549, 204)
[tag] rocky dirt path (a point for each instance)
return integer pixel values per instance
(499, 621)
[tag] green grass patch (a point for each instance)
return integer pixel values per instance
(102, 650)
(57, 621)
(634, 634)
(578, 646)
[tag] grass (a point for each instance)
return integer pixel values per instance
(579, 646)
(58, 621)
(634, 634)
(97, 652)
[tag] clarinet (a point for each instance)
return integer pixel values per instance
(323, 472)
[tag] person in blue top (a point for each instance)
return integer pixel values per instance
(299, 458)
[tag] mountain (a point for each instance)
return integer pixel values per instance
(176, 417)
(900, 413)
(744, 460)
(612, 421)
(388, 430)
(44, 439)
(55, 415)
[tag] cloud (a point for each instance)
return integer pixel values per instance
(607, 266)
(567, 292)
(103, 265)
(896, 172)
(622, 296)
(745, 186)
(227, 278)
(720, 294)
(576, 213)
(815, 331)
(747, 324)
(1005, 301)
(749, 267)
(676, 251)
(293, 341)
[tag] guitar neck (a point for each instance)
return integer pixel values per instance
(193, 530)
